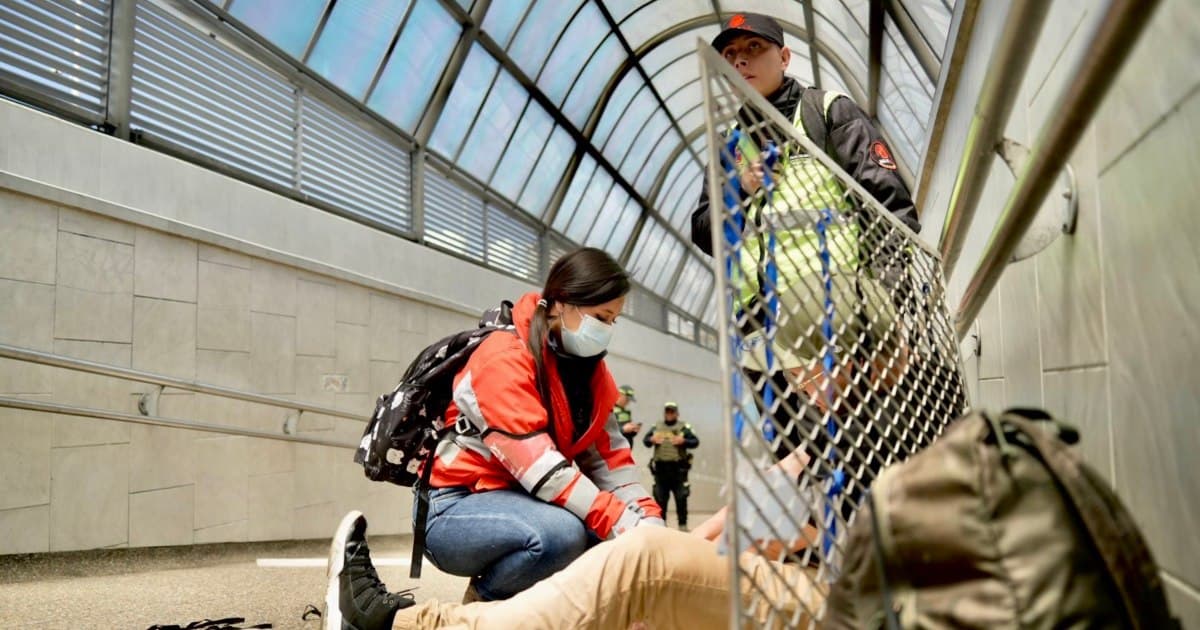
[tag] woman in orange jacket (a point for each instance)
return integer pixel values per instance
(538, 469)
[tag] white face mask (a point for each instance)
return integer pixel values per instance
(591, 339)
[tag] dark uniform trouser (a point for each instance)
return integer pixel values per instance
(671, 477)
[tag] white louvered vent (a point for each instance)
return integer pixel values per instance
(453, 216)
(353, 167)
(512, 245)
(57, 48)
(196, 94)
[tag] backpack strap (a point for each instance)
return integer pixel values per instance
(1112, 530)
(422, 517)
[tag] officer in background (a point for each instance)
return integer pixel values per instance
(671, 440)
(623, 416)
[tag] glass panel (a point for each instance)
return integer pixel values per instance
(416, 64)
(831, 79)
(583, 177)
(844, 31)
(619, 142)
(495, 123)
(671, 50)
(572, 51)
(648, 243)
(674, 171)
(501, 20)
(523, 151)
(619, 9)
(469, 89)
(675, 75)
(623, 229)
(590, 205)
(651, 19)
(692, 119)
(681, 195)
(651, 149)
(539, 33)
(626, 89)
(932, 18)
(549, 171)
(604, 231)
(664, 266)
(354, 41)
(600, 68)
(288, 24)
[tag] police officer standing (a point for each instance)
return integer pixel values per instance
(624, 416)
(671, 440)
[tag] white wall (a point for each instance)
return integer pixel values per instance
(1100, 328)
(114, 253)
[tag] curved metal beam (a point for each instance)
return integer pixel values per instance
(857, 90)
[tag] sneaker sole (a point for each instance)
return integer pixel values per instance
(337, 560)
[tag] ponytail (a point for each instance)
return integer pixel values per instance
(539, 333)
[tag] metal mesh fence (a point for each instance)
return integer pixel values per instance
(837, 348)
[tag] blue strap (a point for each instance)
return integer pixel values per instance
(828, 361)
(772, 296)
(731, 195)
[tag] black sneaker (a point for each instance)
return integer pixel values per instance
(356, 599)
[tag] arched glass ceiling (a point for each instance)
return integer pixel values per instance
(580, 119)
(587, 114)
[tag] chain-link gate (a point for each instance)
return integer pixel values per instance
(838, 353)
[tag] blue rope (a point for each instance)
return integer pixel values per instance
(772, 295)
(733, 237)
(827, 363)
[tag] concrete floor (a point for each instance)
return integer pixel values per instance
(138, 588)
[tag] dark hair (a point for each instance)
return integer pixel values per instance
(584, 277)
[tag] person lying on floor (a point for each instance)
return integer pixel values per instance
(650, 577)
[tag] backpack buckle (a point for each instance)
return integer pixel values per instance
(462, 426)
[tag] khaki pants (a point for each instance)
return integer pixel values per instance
(659, 577)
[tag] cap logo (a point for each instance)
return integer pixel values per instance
(737, 21)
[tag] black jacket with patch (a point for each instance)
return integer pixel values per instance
(850, 141)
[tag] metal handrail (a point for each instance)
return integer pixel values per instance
(1108, 49)
(105, 414)
(1001, 85)
(55, 360)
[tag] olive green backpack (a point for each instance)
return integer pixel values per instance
(998, 524)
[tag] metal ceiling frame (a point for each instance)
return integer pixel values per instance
(582, 137)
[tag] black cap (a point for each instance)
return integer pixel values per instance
(749, 24)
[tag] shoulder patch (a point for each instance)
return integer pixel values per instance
(882, 156)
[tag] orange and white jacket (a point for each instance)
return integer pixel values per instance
(496, 392)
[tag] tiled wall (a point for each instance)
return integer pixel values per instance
(86, 286)
(1100, 327)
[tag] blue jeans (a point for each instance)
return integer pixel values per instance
(507, 540)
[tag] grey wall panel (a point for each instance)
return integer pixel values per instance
(1149, 231)
(1185, 603)
(1080, 397)
(1021, 357)
(1071, 310)
(1161, 71)
(991, 394)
